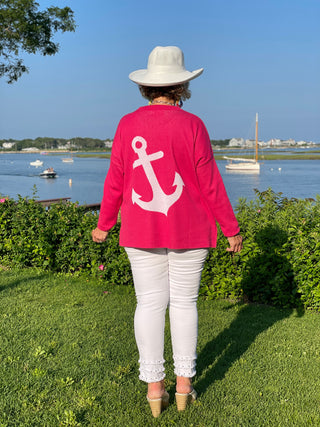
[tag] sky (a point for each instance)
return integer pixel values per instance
(258, 57)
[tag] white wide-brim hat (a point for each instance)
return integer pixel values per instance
(165, 68)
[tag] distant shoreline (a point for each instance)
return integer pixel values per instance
(100, 154)
(309, 155)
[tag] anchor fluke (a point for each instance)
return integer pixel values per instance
(178, 181)
(161, 202)
(135, 197)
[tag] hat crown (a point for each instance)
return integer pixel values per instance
(165, 68)
(166, 59)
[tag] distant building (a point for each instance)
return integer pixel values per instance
(240, 142)
(281, 142)
(8, 145)
(236, 142)
(108, 144)
(274, 142)
(288, 142)
(250, 143)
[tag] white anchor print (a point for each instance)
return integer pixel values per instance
(161, 202)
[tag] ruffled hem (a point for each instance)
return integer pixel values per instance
(151, 378)
(185, 366)
(151, 371)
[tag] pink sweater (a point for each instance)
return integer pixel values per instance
(164, 178)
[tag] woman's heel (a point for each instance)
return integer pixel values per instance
(158, 405)
(184, 399)
(155, 406)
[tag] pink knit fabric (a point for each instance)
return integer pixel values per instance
(164, 178)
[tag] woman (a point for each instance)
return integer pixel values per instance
(164, 177)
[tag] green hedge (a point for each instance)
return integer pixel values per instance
(280, 261)
(279, 264)
(58, 239)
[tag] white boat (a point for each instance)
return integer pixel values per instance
(249, 165)
(68, 159)
(48, 173)
(36, 163)
(242, 164)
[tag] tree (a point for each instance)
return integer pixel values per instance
(25, 28)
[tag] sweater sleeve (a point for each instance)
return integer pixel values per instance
(212, 187)
(113, 188)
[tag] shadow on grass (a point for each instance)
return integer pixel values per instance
(11, 279)
(222, 352)
(262, 283)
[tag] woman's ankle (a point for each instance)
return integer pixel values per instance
(184, 385)
(156, 389)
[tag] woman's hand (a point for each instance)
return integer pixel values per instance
(235, 243)
(98, 235)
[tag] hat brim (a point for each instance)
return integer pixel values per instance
(147, 78)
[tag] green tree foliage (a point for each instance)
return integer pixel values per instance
(26, 29)
(220, 142)
(48, 143)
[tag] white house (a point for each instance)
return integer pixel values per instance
(236, 142)
(288, 142)
(8, 145)
(108, 144)
(274, 142)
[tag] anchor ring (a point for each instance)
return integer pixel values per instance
(142, 141)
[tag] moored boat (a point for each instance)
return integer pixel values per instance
(36, 163)
(68, 159)
(245, 165)
(48, 173)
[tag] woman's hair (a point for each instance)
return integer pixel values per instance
(176, 93)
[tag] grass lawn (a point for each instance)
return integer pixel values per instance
(68, 358)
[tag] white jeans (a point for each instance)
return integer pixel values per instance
(162, 278)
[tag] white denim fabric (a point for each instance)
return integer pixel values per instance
(166, 278)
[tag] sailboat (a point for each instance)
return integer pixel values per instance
(68, 159)
(246, 165)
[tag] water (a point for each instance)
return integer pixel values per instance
(87, 175)
(294, 178)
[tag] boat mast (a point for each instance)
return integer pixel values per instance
(256, 137)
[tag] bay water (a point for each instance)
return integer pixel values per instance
(83, 179)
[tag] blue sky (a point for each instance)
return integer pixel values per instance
(258, 56)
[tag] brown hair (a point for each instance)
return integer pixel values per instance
(176, 93)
